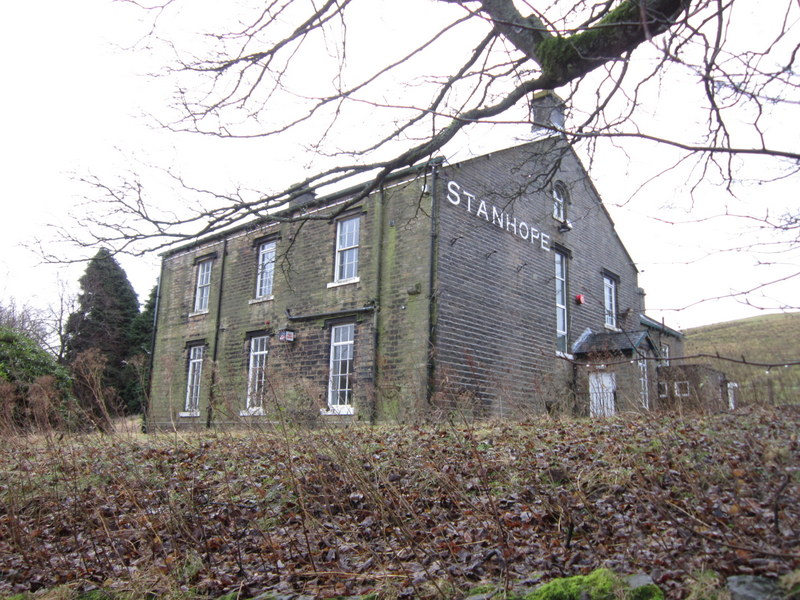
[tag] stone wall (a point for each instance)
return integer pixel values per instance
(496, 327)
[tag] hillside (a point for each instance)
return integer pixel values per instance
(767, 339)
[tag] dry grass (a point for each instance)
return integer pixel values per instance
(422, 511)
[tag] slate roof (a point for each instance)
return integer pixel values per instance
(653, 324)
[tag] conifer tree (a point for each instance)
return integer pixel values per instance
(101, 328)
(138, 368)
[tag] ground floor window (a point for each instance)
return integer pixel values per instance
(682, 389)
(257, 375)
(193, 381)
(340, 381)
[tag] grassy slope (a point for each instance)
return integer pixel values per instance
(413, 511)
(772, 339)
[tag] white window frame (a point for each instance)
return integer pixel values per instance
(340, 378)
(560, 199)
(348, 234)
(664, 355)
(202, 291)
(644, 384)
(266, 270)
(663, 389)
(256, 376)
(682, 389)
(610, 284)
(194, 381)
(562, 315)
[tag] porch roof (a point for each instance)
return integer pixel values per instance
(616, 342)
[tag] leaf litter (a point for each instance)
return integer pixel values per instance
(411, 511)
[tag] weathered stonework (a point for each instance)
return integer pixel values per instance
(454, 306)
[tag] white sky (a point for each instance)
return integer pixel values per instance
(72, 97)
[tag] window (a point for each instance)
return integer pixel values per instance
(682, 389)
(340, 383)
(664, 355)
(193, 381)
(610, 300)
(560, 200)
(203, 289)
(347, 234)
(663, 389)
(644, 384)
(266, 270)
(257, 375)
(561, 302)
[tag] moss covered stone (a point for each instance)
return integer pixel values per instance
(601, 584)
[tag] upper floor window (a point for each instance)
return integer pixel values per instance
(610, 300)
(664, 355)
(560, 201)
(266, 270)
(193, 381)
(561, 302)
(347, 239)
(257, 375)
(203, 288)
(340, 381)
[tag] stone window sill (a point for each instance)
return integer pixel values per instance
(341, 409)
(334, 284)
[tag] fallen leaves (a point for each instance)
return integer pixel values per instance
(408, 510)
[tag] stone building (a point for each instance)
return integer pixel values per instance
(494, 286)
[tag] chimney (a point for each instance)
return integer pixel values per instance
(547, 114)
(299, 199)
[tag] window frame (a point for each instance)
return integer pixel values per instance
(194, 380)
(265, 269)
(335, 373)
(610, 301)
(678, 392)
(202, 289)
(665, 350)
(561, 295)
(258, 352)
(344, 249)
(560, 197)
(644, 383)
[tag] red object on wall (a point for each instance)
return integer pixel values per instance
(579, 299)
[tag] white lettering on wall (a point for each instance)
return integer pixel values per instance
(452, 193)
(500, 218)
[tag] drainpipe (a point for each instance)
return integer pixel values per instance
(210, 415)
(431, 281)
(379, 216)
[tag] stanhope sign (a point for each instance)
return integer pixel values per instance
(458, 196)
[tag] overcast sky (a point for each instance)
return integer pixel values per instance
(73, 101)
